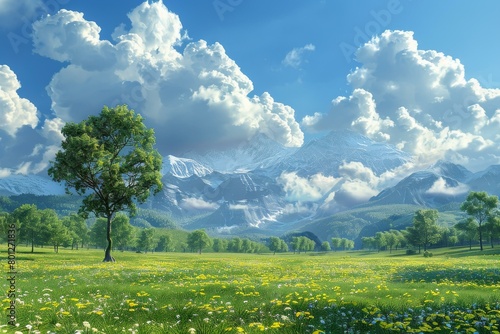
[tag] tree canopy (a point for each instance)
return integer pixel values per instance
(480, 207)
(110, 160)
(198, 240)
(425, 230)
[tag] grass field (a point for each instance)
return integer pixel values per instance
(455, 291)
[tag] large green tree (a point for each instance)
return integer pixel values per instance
(123, 231)
(198, 240)
(220, 245)
(425, 231)
(110, 160)
(274, 244)
(164, 243)
(336, 243)
(325, 246)
(235, 245)
(78, 229)
(28, 217)
(4, 216)
(145, 242)
(480, 206)
(493, 226)
(98, 233)
(468, 227)
(55, 233)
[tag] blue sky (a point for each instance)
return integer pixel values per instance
(271, 67)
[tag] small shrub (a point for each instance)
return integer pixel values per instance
(411, 252)
(427, 254)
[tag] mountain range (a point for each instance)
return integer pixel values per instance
(266, 187)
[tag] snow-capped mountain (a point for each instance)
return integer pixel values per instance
(487, 180)
(183, 168)
(258, 153)
(325, 155)
(244, 186)
(29, 184)
(424, 188)
(451, 170)
(442, 183)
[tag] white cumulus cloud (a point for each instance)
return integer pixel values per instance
(15, 111)
(358, 183)
(441, 187)
(193, 203)
(309, 189)
(418, 100)
(194, 96)
(27, 144)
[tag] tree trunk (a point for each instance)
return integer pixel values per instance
(107, 253)
(480, 239)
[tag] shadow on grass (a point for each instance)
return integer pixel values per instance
(463, 252)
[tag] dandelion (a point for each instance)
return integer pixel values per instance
(191, 331)
(86, 324)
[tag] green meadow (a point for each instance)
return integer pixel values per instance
(455, 291)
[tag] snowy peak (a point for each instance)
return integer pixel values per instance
(325, 155)
(425, 188)
(487, 180)
(257, 153)
(451, 170)
(184, 168)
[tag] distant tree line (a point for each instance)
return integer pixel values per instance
(44, 227)
(482, 223)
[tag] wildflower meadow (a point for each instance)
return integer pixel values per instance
(454, 291)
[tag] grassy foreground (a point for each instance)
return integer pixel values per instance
(357, 292)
